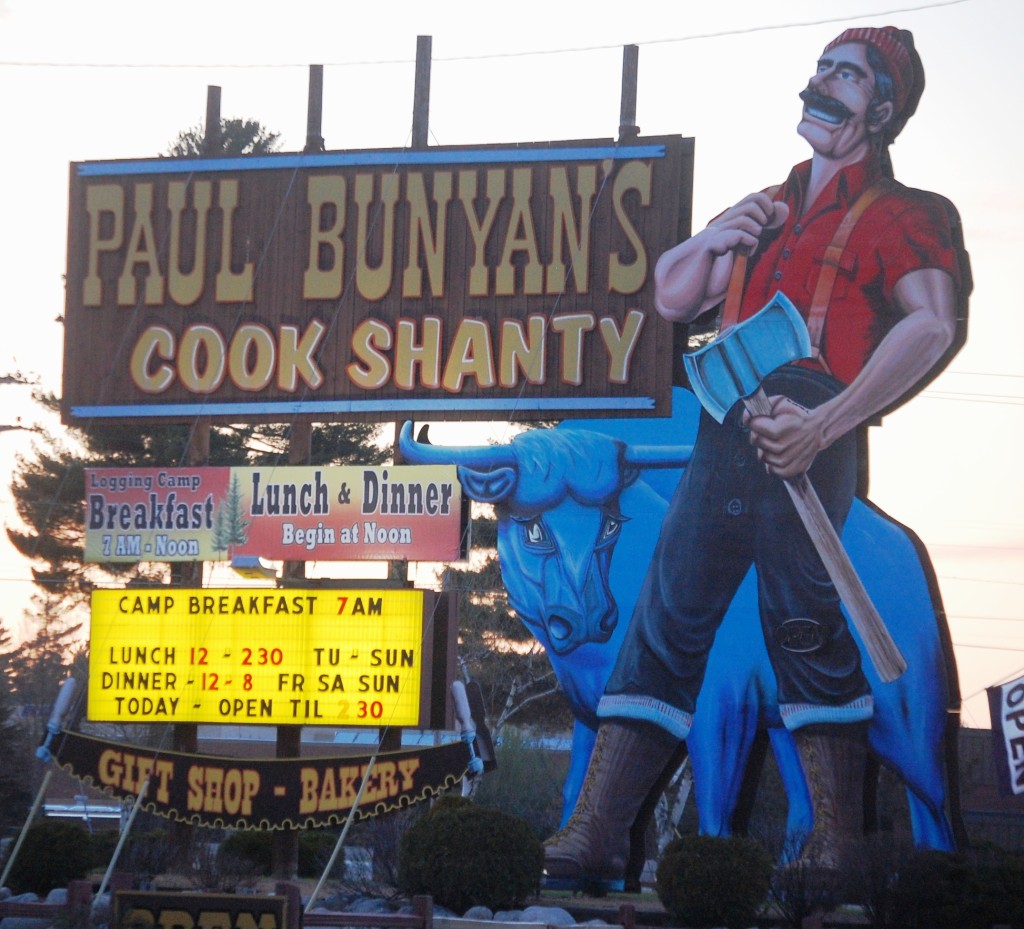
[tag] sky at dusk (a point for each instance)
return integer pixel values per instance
(113, 79)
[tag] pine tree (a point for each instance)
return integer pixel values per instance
(15, 746)
(230, 526)
(49, 487)
(495, 647)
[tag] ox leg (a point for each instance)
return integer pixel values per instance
(749, 783)
(929, 823)
(799, 807)
(719, 743)
(920, 760)
(926, 789)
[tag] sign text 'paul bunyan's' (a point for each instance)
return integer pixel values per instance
(258, 656)
(293, 513)
(470, 281)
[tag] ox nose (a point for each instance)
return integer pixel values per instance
(568, 630)
(563, 633)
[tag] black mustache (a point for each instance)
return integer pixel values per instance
(829, 105)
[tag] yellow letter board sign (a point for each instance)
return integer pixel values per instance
(309, 657)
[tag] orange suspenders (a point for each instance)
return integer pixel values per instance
(826, 278)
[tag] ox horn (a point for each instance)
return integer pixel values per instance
(469, 456)
(658, 456)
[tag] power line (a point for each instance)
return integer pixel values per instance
(990, 648)
(696, 37)
(994, 619)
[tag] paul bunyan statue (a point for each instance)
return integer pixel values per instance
(875, 271)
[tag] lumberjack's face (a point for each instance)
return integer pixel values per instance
(838, 120)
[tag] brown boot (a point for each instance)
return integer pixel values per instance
(628, 758)
(833, 757)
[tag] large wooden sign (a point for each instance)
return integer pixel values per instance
(310, 657)
(162, 910)
(487, 282)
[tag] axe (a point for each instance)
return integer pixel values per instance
(731, 368)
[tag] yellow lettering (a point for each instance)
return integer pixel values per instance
(297, 356)
(157, 342)
(629, 278)
(480, 230)
(164, 772)
(308, 779)
(322, 279)
(426, 354)
(201, 357)
(520, 237)
(369, 336)
(576, 238)
(111, 769)
(141, 251)
(328, 793)
(407, 768)
(431, 237)
(101, 200)
(348, 791)
(522, 352)
(252, 356)
(175, 919)
(373, 283)
(470, 356)
(231, 286)
(572, 326)
(217, 919)
(621, 345)
(185, 289)
(194, 797)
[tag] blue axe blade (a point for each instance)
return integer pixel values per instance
(734, 365)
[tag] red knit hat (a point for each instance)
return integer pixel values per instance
(896, 46)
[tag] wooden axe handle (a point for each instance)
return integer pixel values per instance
(882, 650)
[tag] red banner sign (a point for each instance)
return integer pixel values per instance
(350, 513)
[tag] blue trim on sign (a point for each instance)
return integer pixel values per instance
(356, 159)
(299, 408)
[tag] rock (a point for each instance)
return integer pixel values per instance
(478, 912)
(549, 915)
(368, 905)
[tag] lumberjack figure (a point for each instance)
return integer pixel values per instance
(873, 268)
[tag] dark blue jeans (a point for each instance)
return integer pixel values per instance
(728, 513)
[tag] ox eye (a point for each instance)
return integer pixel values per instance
(610, 529)
(535, 536)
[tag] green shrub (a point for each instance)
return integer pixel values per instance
(251, 847)
(465, 855)
(938, 890)
(53, 853)
(145, 853)
(942, 890)
(256, 850)
(315, 849)
(711, 881)
(101, 848)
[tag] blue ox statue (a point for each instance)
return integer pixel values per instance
(567, 498)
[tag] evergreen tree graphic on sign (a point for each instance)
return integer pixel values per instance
(229, 524)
